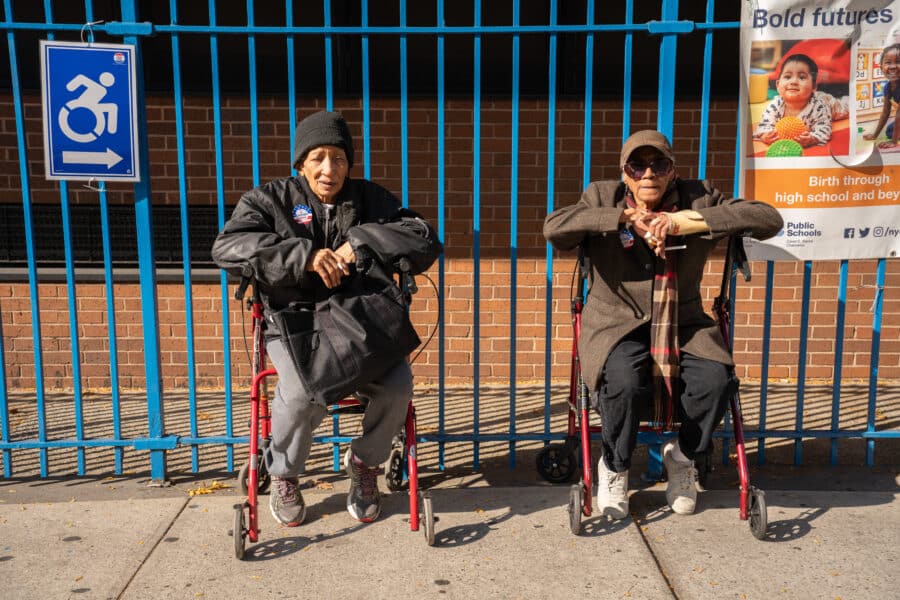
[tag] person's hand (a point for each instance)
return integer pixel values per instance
(346, 252)
(806, 140)
(653, 227)
(767, 137)
(662, 225)
(636, 217)
(329, 265)
(869, 136)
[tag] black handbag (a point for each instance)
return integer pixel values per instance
(349, 339)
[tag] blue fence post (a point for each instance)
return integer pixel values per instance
(25, 182)
(664, 122)
(551, 165)
(838, 360)
(441, 195)
(147, 270)
(220, 212)
(764, 365)
(513, 231)
(4, 409)
(877, 307)
(801, 365)
(185, 235)
(476, 239)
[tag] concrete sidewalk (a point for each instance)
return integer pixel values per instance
(833, 533)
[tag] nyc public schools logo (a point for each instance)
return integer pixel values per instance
(799, 233)
(803, 229)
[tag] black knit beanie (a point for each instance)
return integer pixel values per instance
(322, 129)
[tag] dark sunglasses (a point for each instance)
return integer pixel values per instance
(636, 168)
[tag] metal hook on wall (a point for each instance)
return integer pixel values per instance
(90, 30)
(90, 185)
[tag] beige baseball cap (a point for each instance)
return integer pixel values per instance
(647, 137)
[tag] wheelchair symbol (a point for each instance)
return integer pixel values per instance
(105, 113)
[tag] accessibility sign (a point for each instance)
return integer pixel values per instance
(89, 111)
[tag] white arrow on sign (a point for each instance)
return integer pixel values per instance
(108, 158)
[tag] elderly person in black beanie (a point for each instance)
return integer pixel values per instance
(304, 239)
(645, 338)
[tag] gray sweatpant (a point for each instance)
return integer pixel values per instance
(295, 416)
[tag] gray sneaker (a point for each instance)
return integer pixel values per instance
(612, 491)
(363, 499)
(681, 490)
(286, 501)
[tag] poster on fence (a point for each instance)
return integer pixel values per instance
(820, 90)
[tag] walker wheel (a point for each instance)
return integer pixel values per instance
(393, 470)
(758, 516)
(576, 499)
(239, 533)
(556, 463)
(426, 516)
(262, 474)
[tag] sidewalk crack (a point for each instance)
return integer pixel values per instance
(160, 533)
(656, 560)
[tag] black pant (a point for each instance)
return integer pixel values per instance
(625, 398)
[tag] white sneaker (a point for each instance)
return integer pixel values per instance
(681, 490)
(612, 492)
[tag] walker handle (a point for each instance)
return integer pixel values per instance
(246, 278)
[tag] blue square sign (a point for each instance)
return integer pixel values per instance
(89, 111)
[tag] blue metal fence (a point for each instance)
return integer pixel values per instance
(668, 28)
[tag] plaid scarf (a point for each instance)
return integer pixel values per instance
(664, 350)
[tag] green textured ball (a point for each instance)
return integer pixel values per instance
(784, 148)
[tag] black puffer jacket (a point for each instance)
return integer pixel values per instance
(277, 226)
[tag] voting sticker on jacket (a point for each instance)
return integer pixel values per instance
(626, 237)
(302, 214)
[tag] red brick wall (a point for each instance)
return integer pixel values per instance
(494, 164)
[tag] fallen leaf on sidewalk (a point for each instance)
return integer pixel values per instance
(204, 489)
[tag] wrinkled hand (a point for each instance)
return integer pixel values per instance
(330, 265)
(636, 218)
(656, 227)
(346, 252)
(651, 226)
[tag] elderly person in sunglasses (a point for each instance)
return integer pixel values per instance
(646, 340)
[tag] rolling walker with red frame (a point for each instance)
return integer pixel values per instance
(558, 462)
(253, 478)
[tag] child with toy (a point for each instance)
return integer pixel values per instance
(798, 112)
